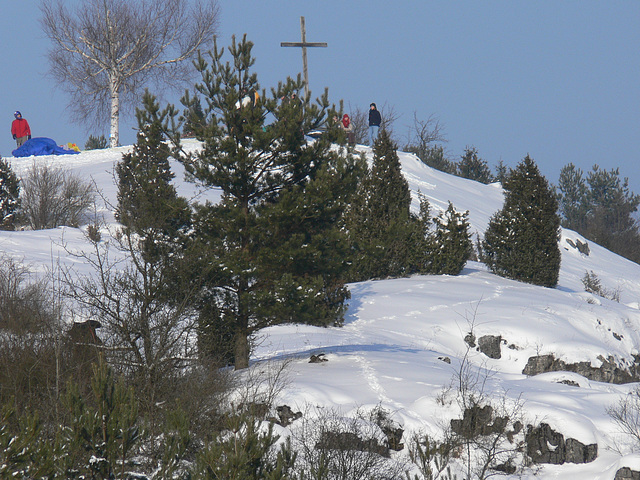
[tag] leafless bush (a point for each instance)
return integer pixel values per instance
(334, 447)
(148, 333)
(24, 302)
(30, 332)
(489, 438)
(626, 414)
(52, 196)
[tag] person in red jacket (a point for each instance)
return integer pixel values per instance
(20, 129)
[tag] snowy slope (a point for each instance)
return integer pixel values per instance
(397, 332)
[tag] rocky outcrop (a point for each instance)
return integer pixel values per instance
(490, 346)
(545, 445)
(583, 248)
(608, 372)
(625, 473)
(487, 344)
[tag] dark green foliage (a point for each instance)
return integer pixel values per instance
(9, 196)
(501, 172)
(95, 143)
(610, 221)
(148, 204)
(103, 435)
(270, 250)
(24, 452)
(601, 208)
(521, 241)
(243, 451)
(451, 244)
(473, 167)
(381, 227)
(573, 198)
(434, 157)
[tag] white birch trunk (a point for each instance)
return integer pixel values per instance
(114, 134)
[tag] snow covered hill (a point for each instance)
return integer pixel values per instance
(403, 342)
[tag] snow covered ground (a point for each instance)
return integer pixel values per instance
(397, 332)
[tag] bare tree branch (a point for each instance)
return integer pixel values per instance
(105, 51)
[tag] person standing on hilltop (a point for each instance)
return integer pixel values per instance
(20, 129)
(375, 119)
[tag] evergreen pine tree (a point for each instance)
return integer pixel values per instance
(451, 245)
(9, 195)
(148, 204)
(103, 435)
(473, 167)
(572, 198)
(521, 241)
(434, 157)
(611, 205)
(380, 223)
(24, 451)
(244, 450)
(501, 172)
(268, 248)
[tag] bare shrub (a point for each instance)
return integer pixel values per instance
(52, 196)
(29, 340)
(626, 415)
(334, 447)
(24, 302)
(148, 332)
(488, 439)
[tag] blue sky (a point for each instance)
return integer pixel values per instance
(558, 80)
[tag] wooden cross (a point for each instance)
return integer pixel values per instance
(304, 44)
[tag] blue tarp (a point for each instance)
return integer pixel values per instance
(41, 146)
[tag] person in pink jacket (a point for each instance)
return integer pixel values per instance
(20, 129)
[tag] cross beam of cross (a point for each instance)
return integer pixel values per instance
(304, 44)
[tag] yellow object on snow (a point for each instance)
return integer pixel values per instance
(72, 146)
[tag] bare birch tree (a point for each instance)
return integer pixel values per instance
(106, 51)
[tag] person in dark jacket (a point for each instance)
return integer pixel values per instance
(20, 129)
(375, 119)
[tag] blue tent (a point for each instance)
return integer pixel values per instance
(41, 146)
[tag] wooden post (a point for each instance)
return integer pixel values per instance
(304, 44)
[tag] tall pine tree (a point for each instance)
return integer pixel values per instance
(473, 167)
(451, 243)
(380, 224)
(271, 247)
(573, 198)
(521, 241)
(148, 204)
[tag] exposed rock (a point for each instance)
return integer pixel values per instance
(608, 372)
(571, 383)
(583, 248)
(83, 343)
(392, 430)
(286, 415)
(345, 441)
(545, 445)
(470, 339)
(625, 473)
(319, 358)
(490, 345)
(478, 421)
(445, 359)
